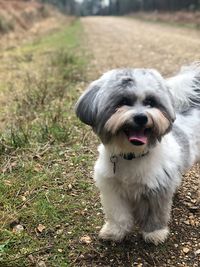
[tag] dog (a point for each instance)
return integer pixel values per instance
(149, 127)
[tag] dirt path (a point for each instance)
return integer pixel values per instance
(118, 42)
(121, 42)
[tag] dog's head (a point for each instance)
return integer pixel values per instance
(128, 108)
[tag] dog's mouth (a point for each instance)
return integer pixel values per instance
(137, 137)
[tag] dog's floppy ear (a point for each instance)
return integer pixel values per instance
(85, 108)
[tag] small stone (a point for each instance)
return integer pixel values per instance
(193, 208)
(18, 228)
(186, 250)
(23, 198)
(81, 257)
(59, 231)
(192, 222)
(197, 252)
(70, 186)
(60, 250)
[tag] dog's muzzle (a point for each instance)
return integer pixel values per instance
(137, 135)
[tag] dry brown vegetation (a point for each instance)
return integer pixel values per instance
(22, 21)
(20, 15)
(184, 18)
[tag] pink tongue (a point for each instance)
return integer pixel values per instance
(137, 136)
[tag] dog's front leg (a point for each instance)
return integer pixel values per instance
(152, 212)
(119, 219)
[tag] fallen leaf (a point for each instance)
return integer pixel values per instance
(41, 228)
(186, 250)
(85, 239)
(8, 182)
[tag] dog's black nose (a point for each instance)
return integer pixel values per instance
(140, 119)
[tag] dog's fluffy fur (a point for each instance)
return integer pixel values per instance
(150, 132)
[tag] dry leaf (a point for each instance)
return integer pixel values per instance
(7, 182)
(186, 250)
(85, 239)
(41, 228)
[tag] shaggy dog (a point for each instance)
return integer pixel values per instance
(150, 132)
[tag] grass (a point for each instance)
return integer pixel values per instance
(44, 156)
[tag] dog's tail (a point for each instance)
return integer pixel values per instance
(185, 87)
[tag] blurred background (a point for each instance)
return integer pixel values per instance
(21, 13)
(121, 7)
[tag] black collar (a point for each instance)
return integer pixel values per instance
(130, 156)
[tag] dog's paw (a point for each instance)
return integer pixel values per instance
(156, 237)
(112, 232)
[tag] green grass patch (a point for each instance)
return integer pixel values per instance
(45, 156)
(67, 37)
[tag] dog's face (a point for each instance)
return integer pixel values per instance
(130, 109)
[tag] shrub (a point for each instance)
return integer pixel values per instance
(5, 25)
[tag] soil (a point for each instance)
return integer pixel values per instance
(125, 42)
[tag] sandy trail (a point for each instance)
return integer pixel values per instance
(121, 42)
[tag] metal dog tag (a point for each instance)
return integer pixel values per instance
(114, 160)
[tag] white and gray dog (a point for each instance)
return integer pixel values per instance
(150, 132)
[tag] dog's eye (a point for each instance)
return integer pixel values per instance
(125, 102)
(151, 102)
